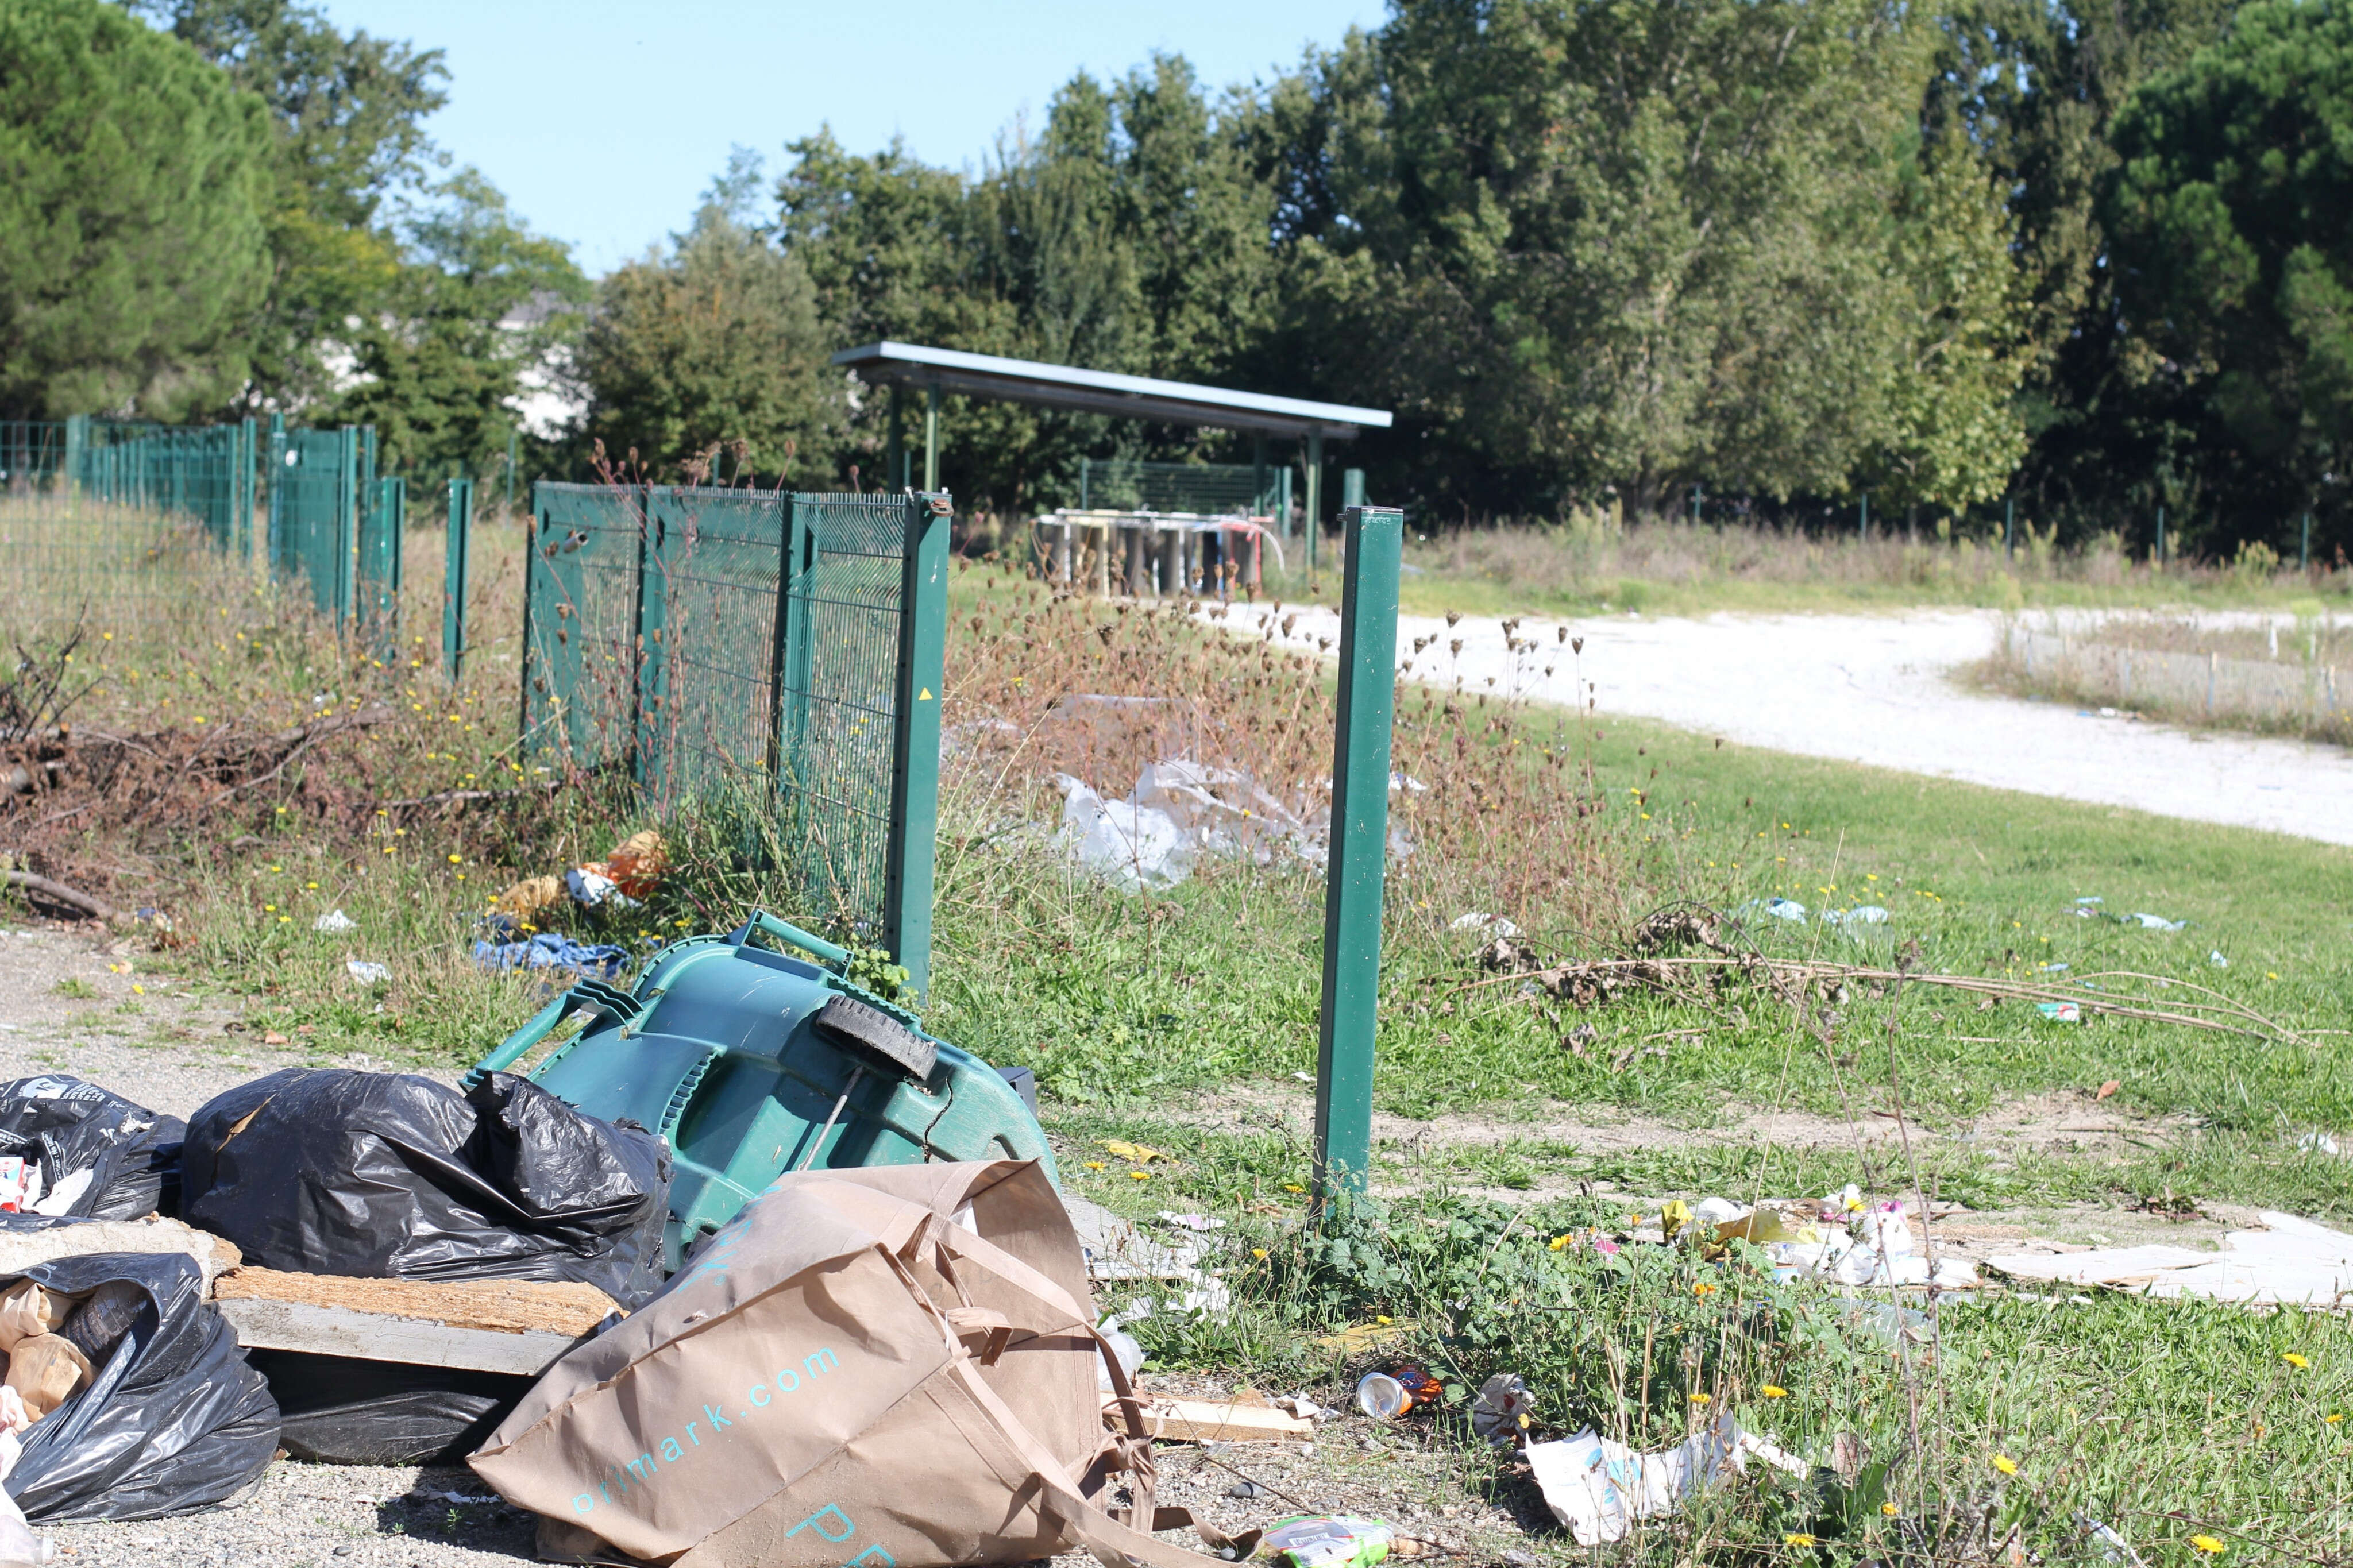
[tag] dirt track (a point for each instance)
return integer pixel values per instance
(1876, 689)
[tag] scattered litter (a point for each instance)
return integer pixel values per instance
(552, 949)
(1334, 1541)
(1304, 1076)
(1178, 811)
(86, 1151)
(1135, 1152)
(1480, 920)
(1199, 1222)
(2086, 908)
(2055, 967)
(2291, 1260)
(2317, 1143)
(1503, 1410)
(2113, 1548)
(2061, 1011)
(335, 921)
(1779, 909)
(1860, 915)
(19, 1547)
(1599, 1487)
(1407, 782)
(366, 971)
(2152, 922)
(1358, 1338)
(2217, 960)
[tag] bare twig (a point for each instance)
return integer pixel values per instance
(58, 893)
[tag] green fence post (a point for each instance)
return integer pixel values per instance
(77, 449)
(378, 608)
(272, 542)
(2304, 546)
(347, 524)
(1359, 855)
(1863, 527)
(2010, 527)
(1352, 488)
(2160, 536)
(915, 738)
(514, 460)
(650, 687)
(454, 563)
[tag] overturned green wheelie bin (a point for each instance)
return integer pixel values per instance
(750, 1062)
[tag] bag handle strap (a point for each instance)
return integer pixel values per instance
(1113, 1543)
(958, 1242)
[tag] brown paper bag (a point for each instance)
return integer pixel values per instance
(45, 1371)
(28, 1311)
(892, 1366)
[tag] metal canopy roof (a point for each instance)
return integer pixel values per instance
(1101, 392)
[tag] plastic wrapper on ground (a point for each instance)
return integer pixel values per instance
(396, 1176)
(1600, 1489)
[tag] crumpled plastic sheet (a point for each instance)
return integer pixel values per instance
(552, 949)
(1179, 811)
(1600, 1489)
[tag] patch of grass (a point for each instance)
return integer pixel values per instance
(75, 987)
(1591, 562)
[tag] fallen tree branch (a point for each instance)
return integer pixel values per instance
(58, 893)
(301, 739)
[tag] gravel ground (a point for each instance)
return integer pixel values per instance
(146, 1038)
(1874, 689)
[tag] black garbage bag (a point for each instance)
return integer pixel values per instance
(396, 1176)
(338, 1410)
(132, 1153)
(172, 1420)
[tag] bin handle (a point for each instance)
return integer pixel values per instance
(783, 930)
(584, 993)
(512, 1048)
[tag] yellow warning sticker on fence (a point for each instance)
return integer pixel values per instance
(925, 696)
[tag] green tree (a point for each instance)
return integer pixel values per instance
(479, 304)
(716, 342)
(2233, 214)
(349, 111)
(132, 215)
(1597, 242)
(1956, 430)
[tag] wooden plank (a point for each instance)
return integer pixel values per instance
(512, 1306)
(262, 1324)
(1213, 1421)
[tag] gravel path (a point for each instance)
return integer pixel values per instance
(1874, 689)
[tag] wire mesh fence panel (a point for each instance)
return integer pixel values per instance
(203, 473)
(837, 697)
(714, 561)
(314, 502)
(580, 623)
(32, 455)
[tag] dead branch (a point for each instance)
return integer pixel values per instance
(58, 893)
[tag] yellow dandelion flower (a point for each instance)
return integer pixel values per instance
(2005, 1464)
(1888, 1508)
(1140, 1175)
(1703, 1289)
(1699, 1399)
(2294, 1361)
(1094, 1165)
(1775, 1391)
(1259, 1253)
(1798, 1539)
(2208, 1544)
(1558, 1242)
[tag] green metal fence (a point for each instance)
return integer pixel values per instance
(724, 640)
(336, 526)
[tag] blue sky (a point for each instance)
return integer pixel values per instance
(602, 123)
